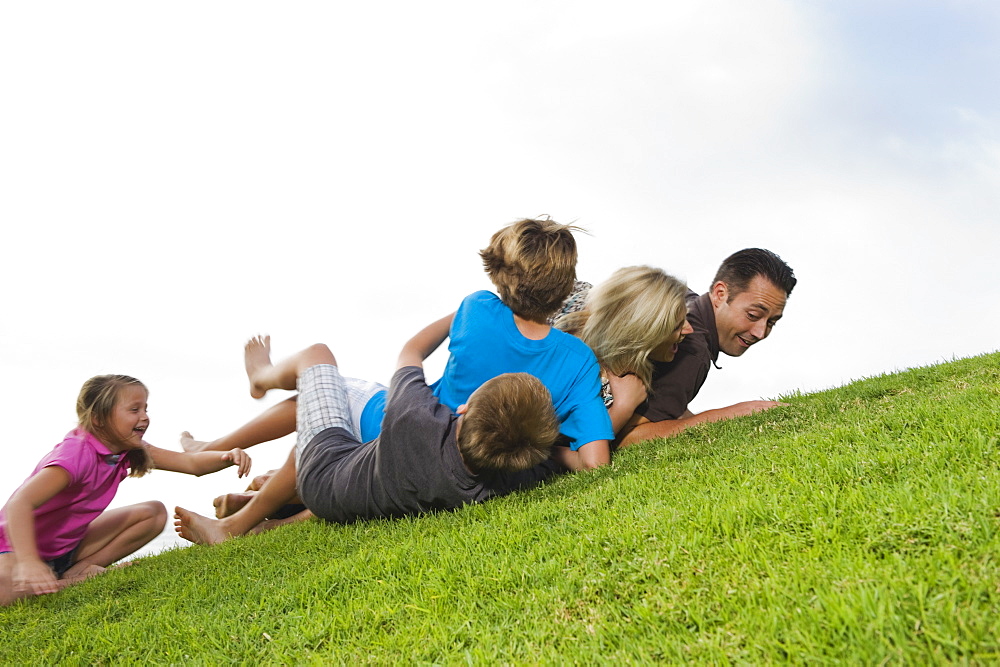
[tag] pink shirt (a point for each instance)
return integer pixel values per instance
(94, 476)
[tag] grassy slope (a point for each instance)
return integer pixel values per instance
(859, 524)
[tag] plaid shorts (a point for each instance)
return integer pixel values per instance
(322, 404)
(359, 392)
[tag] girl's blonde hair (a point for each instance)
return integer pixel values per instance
(94, 407)
(627, 317)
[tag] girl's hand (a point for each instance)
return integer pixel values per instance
(34, 577)
(240, 459)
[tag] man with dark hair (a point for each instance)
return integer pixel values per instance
(747, 298)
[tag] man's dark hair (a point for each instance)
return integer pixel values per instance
(741, 267)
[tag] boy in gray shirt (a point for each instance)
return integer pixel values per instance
(426, 458)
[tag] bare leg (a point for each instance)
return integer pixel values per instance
(115, 534)
(271, 524)
(264, 375)
(278, 420)
(230, 503)
(278, 491)
(275, 422)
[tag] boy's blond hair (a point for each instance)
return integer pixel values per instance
(532, 263)
(509, 424)
(94, 407)
(627, 317)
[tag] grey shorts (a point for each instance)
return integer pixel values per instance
(59, 564)
(322, 404)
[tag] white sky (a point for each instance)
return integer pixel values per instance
(177, 177)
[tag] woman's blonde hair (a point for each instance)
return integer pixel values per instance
(627, 317)
(94, 406)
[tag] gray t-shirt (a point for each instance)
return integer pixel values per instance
(413, 467)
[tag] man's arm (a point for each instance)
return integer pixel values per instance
(424, 343)
(671, 427)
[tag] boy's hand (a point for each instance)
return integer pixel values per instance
(34, 577)
(240, 459)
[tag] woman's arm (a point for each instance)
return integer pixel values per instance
(199, 463)
(424, 343)
(30, 573)
(628, 392)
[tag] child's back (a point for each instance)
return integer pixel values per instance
(532, 263)
(485, 342)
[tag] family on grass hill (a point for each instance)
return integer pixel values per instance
(545, 376)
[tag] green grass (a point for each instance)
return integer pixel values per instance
(859, 524)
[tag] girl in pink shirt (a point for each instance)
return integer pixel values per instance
(54, 530)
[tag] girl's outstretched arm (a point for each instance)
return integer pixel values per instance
(199, 463)
(31, 575)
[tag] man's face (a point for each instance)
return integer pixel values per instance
(749, 317)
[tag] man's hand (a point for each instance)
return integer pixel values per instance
(747, 408)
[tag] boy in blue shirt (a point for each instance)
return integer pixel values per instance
(532, 263)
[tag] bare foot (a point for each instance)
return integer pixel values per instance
(199, 529)
(260, 480)
(79, 572)
(189, 444)
(256, 356)
(230, 503)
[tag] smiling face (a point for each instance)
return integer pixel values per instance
(749, 317)
(128, 421)
(666, 350)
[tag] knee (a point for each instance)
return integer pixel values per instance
(319, 353)
(154, 512)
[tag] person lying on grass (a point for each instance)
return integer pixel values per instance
(747, 298)
(55, 530)
(635, 318)
(425, 459)
(532, 264)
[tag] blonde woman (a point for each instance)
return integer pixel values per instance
(635, 317)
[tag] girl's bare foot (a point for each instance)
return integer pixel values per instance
(79, 572)
(189, 444)
(256, 357)
(230, 503)
(199, 529)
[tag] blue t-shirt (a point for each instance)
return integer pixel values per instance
(371, 416)
(485, 342)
